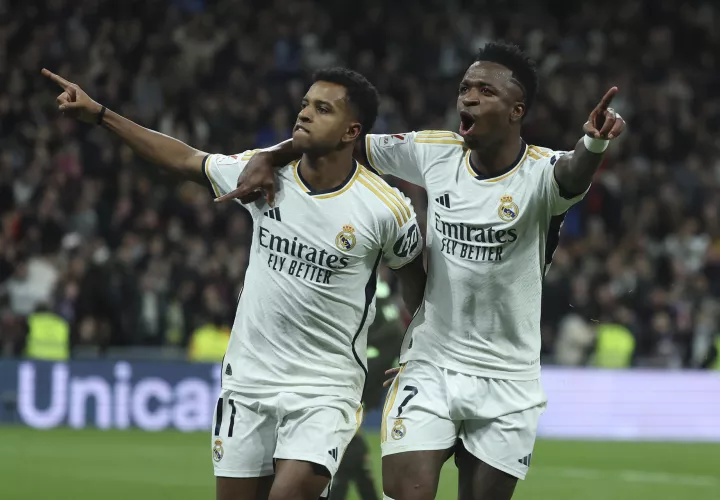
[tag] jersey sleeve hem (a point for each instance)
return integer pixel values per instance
(368, 154)
(206, 171)
(397, 268)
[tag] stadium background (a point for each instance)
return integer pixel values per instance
(134, 264)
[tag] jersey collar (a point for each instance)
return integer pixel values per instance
(327, 193)
(514, 166)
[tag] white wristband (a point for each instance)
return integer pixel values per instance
(595, 145)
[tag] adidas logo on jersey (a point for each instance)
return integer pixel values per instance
(526, 460)
(228, 370)
(444, 200)
(274, 213)
(333, 453)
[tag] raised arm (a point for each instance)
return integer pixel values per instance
(574, 171)
(175, 156)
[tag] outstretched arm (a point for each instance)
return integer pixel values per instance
(574, 171)
(175, 156)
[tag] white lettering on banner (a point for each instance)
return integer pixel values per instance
(123, 373)
(27, 408)
(83, 390)
(145, 391)
(194, 406)
(149, 403)
(583, 403)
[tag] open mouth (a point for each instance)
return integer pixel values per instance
(467, 123)
(301, 128)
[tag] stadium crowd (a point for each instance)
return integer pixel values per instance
(130, 257)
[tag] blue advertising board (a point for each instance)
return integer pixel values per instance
(154, 396)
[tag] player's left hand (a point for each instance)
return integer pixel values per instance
(604, 122)
(392, 373)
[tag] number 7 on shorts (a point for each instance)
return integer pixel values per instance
(413, 392)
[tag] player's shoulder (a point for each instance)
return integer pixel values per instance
(540, 154)
(237, 162)
(290, 170)
(244, 157)
(220, 159)
(443, 138)
(438, 146)
(381, 199)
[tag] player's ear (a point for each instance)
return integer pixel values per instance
(353, 132)
(517, 112)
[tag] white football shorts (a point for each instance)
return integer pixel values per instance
(429, 408)
(250, 432)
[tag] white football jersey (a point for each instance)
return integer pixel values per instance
(309, 293)
(490, 241)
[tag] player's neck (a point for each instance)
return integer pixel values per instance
(497, 158)
(328, 171)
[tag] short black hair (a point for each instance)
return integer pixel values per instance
(513, 58)
(361, 94)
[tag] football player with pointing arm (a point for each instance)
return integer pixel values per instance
(296, 362)
(470, 377)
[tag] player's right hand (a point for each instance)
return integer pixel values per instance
(256, 179)
(74, 101)
(392, 373)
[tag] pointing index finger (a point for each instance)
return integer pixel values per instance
(56, 78)
(235, 193)
(607, 98)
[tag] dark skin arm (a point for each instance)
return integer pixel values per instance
(412, 278)
(574, 171)
(258, 177)
(174, 156)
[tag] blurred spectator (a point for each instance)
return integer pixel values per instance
(209, 342)
(615, 346)
(129, 257)
(31, 283)
(13, 333)
(48, 336)
(575, 341)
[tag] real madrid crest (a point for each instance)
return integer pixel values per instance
(398, 430)
(345, 240)
(217, 450)
(508, 209)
